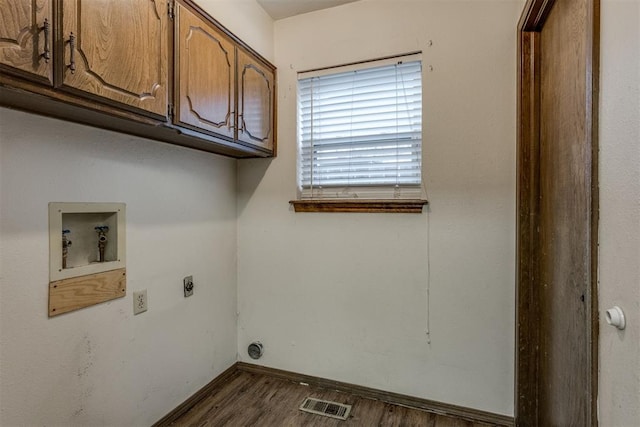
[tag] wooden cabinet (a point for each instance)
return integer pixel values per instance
(256, 107)
(116, 50)
(26, 39)
(161, 69)
(204, 75)
(221, 87)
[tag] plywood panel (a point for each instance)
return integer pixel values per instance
(79, 292)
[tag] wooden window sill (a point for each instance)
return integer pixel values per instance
(359, 205)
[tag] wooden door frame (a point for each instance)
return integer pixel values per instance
(530, 25)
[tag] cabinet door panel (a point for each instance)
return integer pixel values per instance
(255, 102)
(205, 75)
(26, 38)
(119, 50)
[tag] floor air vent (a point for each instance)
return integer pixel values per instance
(326, 408)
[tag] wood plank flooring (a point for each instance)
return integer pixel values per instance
(250, 399)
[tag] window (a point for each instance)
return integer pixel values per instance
(360, 130)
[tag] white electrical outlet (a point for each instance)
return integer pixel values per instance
(140, 302)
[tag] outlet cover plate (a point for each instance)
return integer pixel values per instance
(188, 286)
(139, 302)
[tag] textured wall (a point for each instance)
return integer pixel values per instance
(343, 296)
(619, 387)
(101, 365)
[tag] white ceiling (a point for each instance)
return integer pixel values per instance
(279, 9)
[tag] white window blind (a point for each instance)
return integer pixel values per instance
(360, 130)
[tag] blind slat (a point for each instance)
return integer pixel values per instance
(362, 128)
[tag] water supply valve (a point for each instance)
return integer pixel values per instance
(102, 240)
(65, 247)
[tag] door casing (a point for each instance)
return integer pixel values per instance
(528, 298)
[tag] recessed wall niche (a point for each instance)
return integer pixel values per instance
(90, 238)
(87, 254)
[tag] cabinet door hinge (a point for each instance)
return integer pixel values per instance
(171, 112)
(170, 9)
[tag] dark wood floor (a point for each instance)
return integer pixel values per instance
(250, 399)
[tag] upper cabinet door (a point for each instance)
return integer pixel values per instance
(26, 38)
(204, 75)
(117, 50)
(256, 102)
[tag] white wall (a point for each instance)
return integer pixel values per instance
(246, 19)
(619, 387)
(343, 296)
(101, 365)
